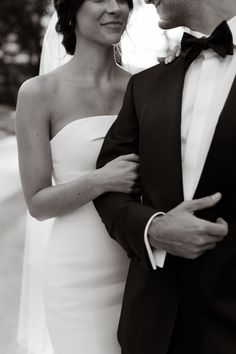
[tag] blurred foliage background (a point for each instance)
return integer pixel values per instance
(22, 26)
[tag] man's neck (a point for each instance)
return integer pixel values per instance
(211, 17)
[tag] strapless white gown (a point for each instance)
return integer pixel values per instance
(84, 270)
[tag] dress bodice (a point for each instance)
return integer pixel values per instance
(75, 148)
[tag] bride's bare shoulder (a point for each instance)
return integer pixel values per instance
(35, 102)
(39, 86)
(38, 95)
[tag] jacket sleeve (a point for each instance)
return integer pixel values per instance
(124, 216)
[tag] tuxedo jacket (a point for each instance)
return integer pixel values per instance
(194, 298)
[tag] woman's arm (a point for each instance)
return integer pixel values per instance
(33, 138)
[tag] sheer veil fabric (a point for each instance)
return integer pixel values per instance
(53, 53)
(32, 330)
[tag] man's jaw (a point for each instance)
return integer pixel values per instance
(156, 3)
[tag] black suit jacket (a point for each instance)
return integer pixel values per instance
(197, 298)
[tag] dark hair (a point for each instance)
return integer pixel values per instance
(66, 12)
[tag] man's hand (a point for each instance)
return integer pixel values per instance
(182, 234)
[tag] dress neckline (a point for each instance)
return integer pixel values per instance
(80, 119)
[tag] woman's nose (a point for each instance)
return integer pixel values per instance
(113, 6)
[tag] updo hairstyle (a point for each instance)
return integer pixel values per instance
(66, 13)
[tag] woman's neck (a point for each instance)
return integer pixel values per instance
(94, 63)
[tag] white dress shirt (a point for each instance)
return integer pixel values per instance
(206, 88)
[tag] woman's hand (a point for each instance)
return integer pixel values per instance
(171, 55)
(121, 174)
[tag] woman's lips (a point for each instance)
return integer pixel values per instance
(112, 24)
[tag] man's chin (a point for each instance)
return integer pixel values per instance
(166, 25)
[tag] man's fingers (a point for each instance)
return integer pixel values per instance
(129, 157)
(216, 229)
(202, 203)
(225, 225)
(221, 221)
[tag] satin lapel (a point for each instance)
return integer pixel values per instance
(162, 134)
(221, 147)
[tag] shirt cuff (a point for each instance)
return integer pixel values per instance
(156, 256)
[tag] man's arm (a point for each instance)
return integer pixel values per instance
(123, 214)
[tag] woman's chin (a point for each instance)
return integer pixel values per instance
(112, 40)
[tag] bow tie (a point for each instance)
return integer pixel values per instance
(221, 41)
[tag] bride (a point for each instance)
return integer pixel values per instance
(62, 118)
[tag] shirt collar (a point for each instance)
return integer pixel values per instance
(197, 34)
(232, 26)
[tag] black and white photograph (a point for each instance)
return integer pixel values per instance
(117, 201)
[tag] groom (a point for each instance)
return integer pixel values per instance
(180, 296)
